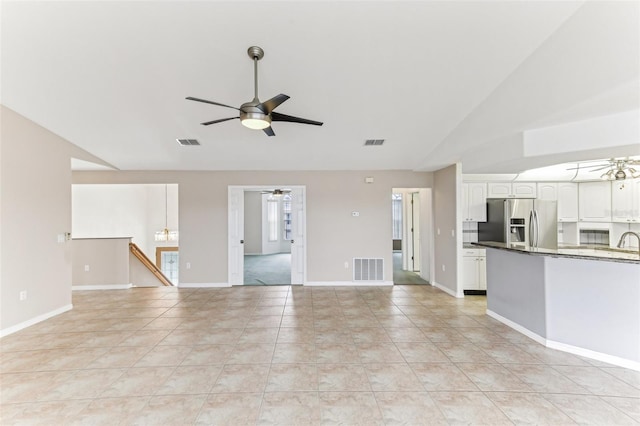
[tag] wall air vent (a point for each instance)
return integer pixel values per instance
(373, 142)
(368, 269)
(188, 142)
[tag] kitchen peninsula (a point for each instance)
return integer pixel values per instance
(582, 301)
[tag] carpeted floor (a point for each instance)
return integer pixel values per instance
(401, 276)
(267, 269)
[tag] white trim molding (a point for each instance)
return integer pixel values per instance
(35, 320)
(517, 327)
(348, 283)
(203, 285)
(599, 356)
(102, 287)
(448, 290)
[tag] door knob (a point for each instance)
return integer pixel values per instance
(241, 241)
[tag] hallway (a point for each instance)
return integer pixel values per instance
(401, 276)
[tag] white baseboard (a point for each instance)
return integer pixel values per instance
(348, 283)
(587, 353)
(517, 327)
(32, 321)
(448, 290)
(203, 285)
(599, 356)
(102, 287)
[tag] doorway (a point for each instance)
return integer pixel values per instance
(412, 237)
(267, 235)
(167, 260)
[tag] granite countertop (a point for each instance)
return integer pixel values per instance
(576, 252)
(470, 246)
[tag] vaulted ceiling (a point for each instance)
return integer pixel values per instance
(439, 81)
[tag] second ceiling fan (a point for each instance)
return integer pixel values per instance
(255, 114)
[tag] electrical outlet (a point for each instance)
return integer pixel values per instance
(188, 265)
(87, 268)
(443, 267)
(453, 233)
(23, 295)
(346, 265)
(355, 214)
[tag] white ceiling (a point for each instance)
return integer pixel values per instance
(437, 80)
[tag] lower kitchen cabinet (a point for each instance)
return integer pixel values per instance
(474, 270)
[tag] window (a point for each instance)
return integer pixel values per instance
(396, 215)
(286, 217)
(272, 219)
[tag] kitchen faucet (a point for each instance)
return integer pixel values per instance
(622, 237)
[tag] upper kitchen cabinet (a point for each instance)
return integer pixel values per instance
(567, 202)
(625, 201)
(511, 190)
(474, 202)
(548, 191)
(594, 201)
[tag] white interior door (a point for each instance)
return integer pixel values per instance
(236, 236)
(415, 222)
(298, 244)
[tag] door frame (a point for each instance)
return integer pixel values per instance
(426, 234)
(237, 277)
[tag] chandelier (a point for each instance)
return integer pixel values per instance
(165, 234)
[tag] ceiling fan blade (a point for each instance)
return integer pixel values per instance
(218, 121)
(210, 102)
(271, 104)
(602, 168)
(583, 167)
(283, 117)
(269, 131)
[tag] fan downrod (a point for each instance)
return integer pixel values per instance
(255, 52)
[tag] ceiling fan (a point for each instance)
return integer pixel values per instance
(619, 169)
(255, 114)
(277, 192)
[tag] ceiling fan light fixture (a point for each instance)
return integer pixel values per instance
(258, 123)
(620, 175)
(607, 175)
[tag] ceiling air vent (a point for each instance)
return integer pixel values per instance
(373, 142)
(188, 142)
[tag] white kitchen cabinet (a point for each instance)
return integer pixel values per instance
(511, 190)
(594, 201)
(474, 202)
(524, 189)
(625, 201)
(474, 269)
(567, 202)
(548, 191)
(498, 189)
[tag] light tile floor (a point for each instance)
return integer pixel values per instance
(296, 356)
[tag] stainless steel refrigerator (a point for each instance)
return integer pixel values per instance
(525, 222)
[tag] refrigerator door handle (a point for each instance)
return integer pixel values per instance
(536, 227)
(531, 230)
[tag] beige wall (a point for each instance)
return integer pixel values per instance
(35, 206)
(333, 235)
(445, 200)
(107, 260)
